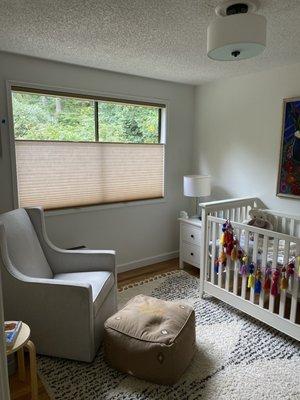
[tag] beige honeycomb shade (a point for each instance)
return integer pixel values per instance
(72, 174)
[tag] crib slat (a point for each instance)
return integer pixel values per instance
(244, 278)
(236, 263)
(292, 227)
(254, 259)
(232, 214)
(236, 277)
(228, 273)
(220, 271)
(295, 287)
(237, 214)
(213, 252)
(206, 263)
(243, 210)
(283, 292)
(263, 268)
(274, 265)
(283, 225)
(276, 223)
(247, 211)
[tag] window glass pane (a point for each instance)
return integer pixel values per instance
(128, 123)
(44, 117)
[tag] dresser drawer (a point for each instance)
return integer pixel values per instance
(190, 254)
(191, 234)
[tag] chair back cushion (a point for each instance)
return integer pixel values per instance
(24, 248)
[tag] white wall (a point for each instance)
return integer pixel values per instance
(238, 131)
(136, 232)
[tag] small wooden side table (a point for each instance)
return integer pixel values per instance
(21, 343)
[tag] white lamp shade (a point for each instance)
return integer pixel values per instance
(196, 185)
(241, 33)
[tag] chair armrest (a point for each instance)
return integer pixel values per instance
(64, 261)
(60, 314)
(66, 288)
(41, 293)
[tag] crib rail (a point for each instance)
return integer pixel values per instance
(265, 248)
(285, 223)
(235, 209)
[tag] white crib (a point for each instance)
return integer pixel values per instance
(265, 247)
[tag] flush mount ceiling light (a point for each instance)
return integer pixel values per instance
(237, 33)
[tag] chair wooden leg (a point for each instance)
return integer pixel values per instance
(33, 372)
(21, 365)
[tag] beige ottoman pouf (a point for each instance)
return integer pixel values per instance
(151, 339)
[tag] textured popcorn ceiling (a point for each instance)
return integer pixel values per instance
(164, 39)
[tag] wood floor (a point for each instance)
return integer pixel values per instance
(21, 390)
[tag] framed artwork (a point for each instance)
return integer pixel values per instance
(288, 184)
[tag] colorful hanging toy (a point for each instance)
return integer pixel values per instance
(257, 286)
(267, 283)
(216, 265)
(232, 248)
(227, 242)
(284, 281)
(243, 265)
(251, 277)
(280, 279)
(275, 282)
(290, 274)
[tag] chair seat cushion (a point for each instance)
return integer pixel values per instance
(151, 339)
(101, 281)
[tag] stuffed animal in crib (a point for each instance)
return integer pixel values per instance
(260, 219)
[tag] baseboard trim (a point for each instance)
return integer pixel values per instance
(147, 261)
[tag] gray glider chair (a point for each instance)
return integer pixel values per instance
(64, 296)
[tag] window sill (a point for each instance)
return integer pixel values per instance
(102, 207)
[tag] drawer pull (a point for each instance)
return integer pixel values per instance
(192, 254)
(192, 236)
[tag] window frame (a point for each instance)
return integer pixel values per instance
(163, 105)
(96, 100)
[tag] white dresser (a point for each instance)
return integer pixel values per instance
(190, 234)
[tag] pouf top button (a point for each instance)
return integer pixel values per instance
(164, 332)
(118, 318)
(181, 306)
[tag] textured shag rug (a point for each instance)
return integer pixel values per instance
(237, 357)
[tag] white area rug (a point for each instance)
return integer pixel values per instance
(237, 357)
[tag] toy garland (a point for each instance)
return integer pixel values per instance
(274, 281)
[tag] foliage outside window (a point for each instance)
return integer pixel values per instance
(44, 117)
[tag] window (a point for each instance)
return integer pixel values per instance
(74, 150)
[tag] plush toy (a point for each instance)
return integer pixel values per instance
(260, 219)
